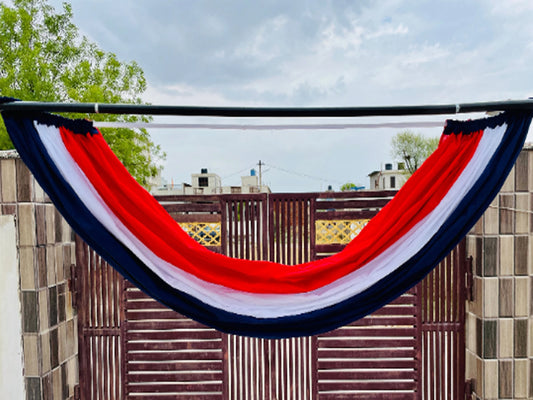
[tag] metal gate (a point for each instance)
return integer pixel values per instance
(133, 347)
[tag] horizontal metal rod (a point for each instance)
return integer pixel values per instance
(148, 109)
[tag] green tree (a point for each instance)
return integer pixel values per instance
(44, 58)
(412, 148)
(348, 186)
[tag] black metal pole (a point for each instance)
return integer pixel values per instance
(147, 109)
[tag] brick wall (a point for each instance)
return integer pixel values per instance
(45, 254)
(499, 319)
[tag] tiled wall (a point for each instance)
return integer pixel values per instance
(46, 252)
(500, 317)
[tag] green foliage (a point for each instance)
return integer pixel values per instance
(348, 186)
(44, 58)
(412, 148)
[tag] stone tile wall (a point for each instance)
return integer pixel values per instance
(46, 252)
(500, 317)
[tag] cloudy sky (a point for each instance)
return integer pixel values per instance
(304, 53)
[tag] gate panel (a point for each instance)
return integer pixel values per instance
(169, 356)
(292, 228)
(373, 358)
(442, 336)
(244, 226)
(133, 347)
(98, 296)
(277, 228)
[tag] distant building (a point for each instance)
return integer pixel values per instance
(388, 178)
(210, 183)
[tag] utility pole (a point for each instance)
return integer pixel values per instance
(260, 180)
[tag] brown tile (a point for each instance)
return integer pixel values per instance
(522, 296)
(69, 310)
(506, 379)
(45, 352)
(520, 338)
(47, 387)
(59, 267)
(490, 376)
(479, 381)
(531, 215)
(505, 338)
(490, 256)
(521, 375)
(38, 193)
(531, 378)
(61, 307)
(50, 224)
(26, 224)
(64, 382)
(27, 269)
(44, 319)
(506, 297)
(8, 209)
(470, 365)
(62, 343)
(506, 255)
(490, 297)
(42, 272)
(508, 185)
(521, 172)
(70, 347)
(522, 213)
(24, 182)
(507, 205)
(491, 218)
(67, 260)
(8, 179)
(477, 229)
(531, 299)
(58, 226)
(40, 224)
(72, 375)
(57, 384)
(33, 389)
(54, 348)
(520, 252)
(479, 337)
(31, 355)
(490, 337)
(52, 299)
(51, 265)
(470, 336)
(29, 311)
(478, 259)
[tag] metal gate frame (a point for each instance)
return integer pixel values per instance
(282, 228)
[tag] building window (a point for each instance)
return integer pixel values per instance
(203, 181)
(393, 182)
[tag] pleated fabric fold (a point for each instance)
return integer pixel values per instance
(121, 221)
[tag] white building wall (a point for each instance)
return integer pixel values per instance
(11, 363)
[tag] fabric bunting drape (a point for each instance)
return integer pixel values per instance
(398, 247)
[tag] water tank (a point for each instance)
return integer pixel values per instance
(203, 171)
(252, 172)
(388, 167)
